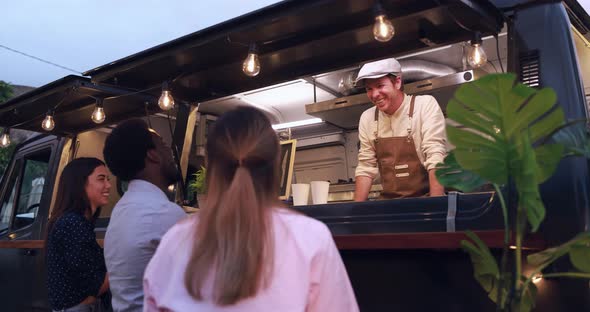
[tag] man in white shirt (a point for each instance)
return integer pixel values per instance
(402, 137)
(135, 153)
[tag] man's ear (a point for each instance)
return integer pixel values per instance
(153, 156)
(398, 82)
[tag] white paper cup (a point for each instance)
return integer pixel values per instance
(300, 193)
(319, 192)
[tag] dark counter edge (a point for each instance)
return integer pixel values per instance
(430, 240)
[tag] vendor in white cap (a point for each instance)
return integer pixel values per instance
(402, 137)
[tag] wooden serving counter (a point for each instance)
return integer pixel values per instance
(387, 241)
(431, 240)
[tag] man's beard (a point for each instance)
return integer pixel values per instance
(171, 174)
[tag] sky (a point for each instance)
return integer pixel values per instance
(84, 34)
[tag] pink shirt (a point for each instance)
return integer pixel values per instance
(308, 272)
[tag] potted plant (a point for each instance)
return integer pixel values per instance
(509, 134)
(199, 186)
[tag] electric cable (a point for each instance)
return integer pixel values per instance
(40, 59)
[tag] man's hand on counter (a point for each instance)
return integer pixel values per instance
(362, 186)
(436, 189)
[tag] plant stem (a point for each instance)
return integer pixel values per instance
(518, 252)
(568, 274)
(504, 213)
(505, 249)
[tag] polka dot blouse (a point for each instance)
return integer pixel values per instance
(75, 262)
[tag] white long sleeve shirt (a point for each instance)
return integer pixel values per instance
(428, 132)
(138, 222)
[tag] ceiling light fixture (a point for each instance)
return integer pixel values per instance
(166, 101)
(98, 115)
(298, 123)
(48, 123)
(5, 138)
(251, 65)
(476, 57)
(383, 30)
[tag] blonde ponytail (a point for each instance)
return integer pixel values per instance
(236, 245)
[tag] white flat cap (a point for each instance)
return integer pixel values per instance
(378, 69)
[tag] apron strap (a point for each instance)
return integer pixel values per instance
(410, 115)
(377, 123)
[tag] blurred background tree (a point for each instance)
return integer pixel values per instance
(6, 91)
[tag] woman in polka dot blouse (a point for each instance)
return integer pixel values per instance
(75, 263)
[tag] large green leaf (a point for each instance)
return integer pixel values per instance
(547, 256)
(580, 252)
(575, 138)
(450, 174)
(525, 178)
(493, 112)
(485, 268)
(580, 257)
(547, 160)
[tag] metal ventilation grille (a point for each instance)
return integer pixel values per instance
(530, 71)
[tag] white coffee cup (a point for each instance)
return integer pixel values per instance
(300, 193)
(319, 192)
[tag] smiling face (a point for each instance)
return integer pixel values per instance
(385, 93)
(98, 188)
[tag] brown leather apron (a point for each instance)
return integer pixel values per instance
(402, 172)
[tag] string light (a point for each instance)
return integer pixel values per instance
(166, 101)
(477, 56)
(98, 115)
(251, 65)
(383, 29)
(5, 138)
(48, 123)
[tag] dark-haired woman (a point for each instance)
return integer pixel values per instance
(242, 251)
(76, 269)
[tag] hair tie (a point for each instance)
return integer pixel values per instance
(240, 162)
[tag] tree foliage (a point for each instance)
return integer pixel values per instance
(6, 91)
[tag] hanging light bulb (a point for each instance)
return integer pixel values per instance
(48, 123)
(383, 30)
(476, 56)
(98, 115)
(5, 138)
(166, 101)
(251, 65)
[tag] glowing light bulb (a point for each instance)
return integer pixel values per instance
(5, 139)
(383, 29)
(48, 123)
(251, 65)
(537, 278)
(98, 114)
(166, 101)
(477, 56)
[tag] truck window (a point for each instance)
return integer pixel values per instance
(27, 182)
(30, 192)
(8, 203)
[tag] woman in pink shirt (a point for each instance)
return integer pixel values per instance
(243, 251)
